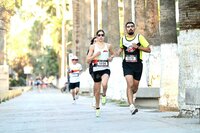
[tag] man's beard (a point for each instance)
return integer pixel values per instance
(131, 33)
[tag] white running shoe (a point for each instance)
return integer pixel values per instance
(97, 112)
(133, 109)
(74, 102)
(103, 100)
(77, 96)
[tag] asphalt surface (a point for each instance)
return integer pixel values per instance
(50, 111)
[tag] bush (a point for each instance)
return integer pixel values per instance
(20, 82)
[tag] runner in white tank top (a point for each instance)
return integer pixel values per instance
(100, 54)
(101, 62)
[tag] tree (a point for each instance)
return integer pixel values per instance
(168, 22)
(127, 11)
(46, 65)
(113, 23)
(6, 11)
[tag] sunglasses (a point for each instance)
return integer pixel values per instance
(74, 59)
(100, 35)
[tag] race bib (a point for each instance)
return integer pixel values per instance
(75, 74)
(131, 58)
(101, 63)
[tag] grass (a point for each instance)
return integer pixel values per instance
(119, 102)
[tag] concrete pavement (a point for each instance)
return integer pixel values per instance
(51, 111)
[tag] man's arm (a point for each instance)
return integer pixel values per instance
(145, 49)
(144, 44)
(120, 50)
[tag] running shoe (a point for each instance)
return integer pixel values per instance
(103, 100)
(74, 101)
(133, 109)
(97, 112)
(77, 96)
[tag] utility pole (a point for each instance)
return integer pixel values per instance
(63, 58)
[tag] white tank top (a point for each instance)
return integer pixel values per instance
(101, 62)
(129, 43)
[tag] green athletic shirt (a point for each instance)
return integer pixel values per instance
(142, 41)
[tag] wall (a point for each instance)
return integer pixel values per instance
(189, 51)
(4, 78)
(189, 77)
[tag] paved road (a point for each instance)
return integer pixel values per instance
(51, 111)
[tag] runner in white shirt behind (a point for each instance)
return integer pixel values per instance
(74, 78)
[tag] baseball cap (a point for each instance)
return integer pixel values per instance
(74, 57)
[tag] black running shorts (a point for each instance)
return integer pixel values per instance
(134, 69)
(98, 74)
(74, 85)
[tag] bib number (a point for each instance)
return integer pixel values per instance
(75, 74)
(101, 63)
(131, 58)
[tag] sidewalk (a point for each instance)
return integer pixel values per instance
(51, 111)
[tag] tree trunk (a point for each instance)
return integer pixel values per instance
(105, 17)
(168, 21)
(152, 22)
(169, 57)
(63, 51)
(113, 23)
(76, 27)
(189, 14)
(95, 16)
(127, 11)
(140, 16)
(85, 31)
(2, 42)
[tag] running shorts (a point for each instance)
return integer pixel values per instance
(98, 74)
(134, 69)
(74, 85)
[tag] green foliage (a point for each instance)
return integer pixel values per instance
(43, 58)
(18, 65)
(51, 6)
(51, 63)
(46, 65)
(17, 45)
(27, 46)
(56, 32)
(8, 5)
(20, 82)
(17, 52)
(36, 34)
(7, 9)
